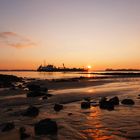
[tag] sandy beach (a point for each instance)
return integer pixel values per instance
(73, 122)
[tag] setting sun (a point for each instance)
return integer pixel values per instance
(89, 67)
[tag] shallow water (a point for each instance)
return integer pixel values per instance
(44, 75)
(91, 124)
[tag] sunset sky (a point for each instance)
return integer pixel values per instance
(100, 33)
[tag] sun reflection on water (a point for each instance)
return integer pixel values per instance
(96, 129)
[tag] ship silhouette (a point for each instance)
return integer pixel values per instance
(52, 68)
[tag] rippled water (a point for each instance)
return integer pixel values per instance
(44, 75)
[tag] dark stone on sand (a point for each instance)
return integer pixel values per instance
(58, 107)
(49, 95)
(33, 87)
(31, 111)
(69, 114)
(7, 80)
(104, 104)
(8, 126)
(87, 99)
(44, 97)
(35, 94)
(85, 105)
(128, 102)
(23, 134)
(114, 100)
(46, 126)
(44, 89)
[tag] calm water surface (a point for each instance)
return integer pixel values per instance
(46, 75)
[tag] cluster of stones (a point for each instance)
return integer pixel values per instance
(108, 104)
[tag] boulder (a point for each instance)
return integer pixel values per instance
(128, 102)
(46, 126)
(33, 87)
(31, 111)
(47, 96)
(114, 100)
(44, 89)
(8, 126)
(58, 107)
(85, 105)
(35, 94)
(104, 104)
(88, 99)
(44, 97)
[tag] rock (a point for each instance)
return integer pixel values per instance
(31, 111)
(23, 134)
(33, 87)
(69, 114)
(58, 107)
(114, 100)
(44, 89)
(8, 80)
(35, 94)
(128, 102)
(85, 105)
(104, 104)
(44, 97)
(87, 99)
(49, 95)
(46, 126)
(8, 126)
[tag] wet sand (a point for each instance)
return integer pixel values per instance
(88, 124)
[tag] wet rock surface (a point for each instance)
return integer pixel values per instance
(8, 80)
(35, 94)
(114, 100)
(58, 107)
(46, 126)
(85, 105)
(128, 102)
(7, 126)
(31, 111)
(104, 104)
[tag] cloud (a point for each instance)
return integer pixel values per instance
(15, 40)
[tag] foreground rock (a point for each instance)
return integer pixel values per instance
(31, 111)
(8, 80)
(23, 134)
(104, 104)
(58, 107)
(8, 126)
(128, 102)
(35, 94)
(35, 87)
(36, 90)
(46, 126)
(85, 105)
(114, 100)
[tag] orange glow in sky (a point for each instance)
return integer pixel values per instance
(104, 34)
